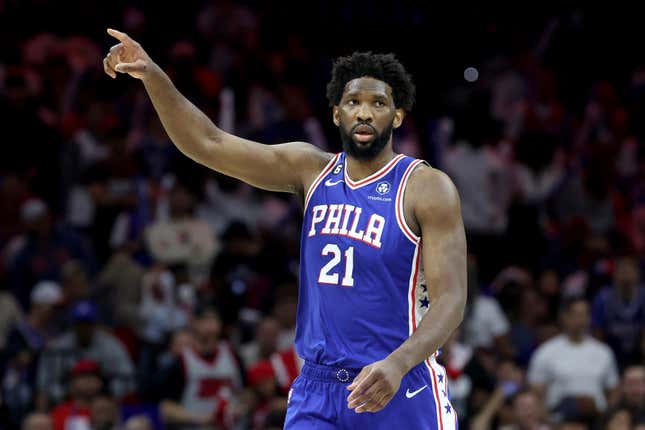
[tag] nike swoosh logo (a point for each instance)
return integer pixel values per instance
(330, 183)
(409, 394)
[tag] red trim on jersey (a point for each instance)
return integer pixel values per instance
(413, 319)
(413, 288)
(374, 176)
(400, 214)
(436, 393)
(319, 178)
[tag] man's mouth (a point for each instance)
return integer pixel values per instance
(364, 133)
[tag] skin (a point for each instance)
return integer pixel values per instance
(292, 167)
(37, 421)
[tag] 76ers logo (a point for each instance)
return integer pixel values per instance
(383, 187)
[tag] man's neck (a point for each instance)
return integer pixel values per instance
(576, 338)
(359, 169)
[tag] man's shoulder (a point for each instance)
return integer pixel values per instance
(433, 191)
(552, 346)
(598, 347)
(66, 340)
(107, 340)
(307, 156)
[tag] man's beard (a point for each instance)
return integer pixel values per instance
(369, 151)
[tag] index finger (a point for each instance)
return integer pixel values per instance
(122, 37)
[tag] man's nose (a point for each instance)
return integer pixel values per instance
(364, 113)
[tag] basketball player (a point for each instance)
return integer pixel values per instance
(369, 355)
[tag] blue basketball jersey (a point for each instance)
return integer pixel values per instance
(361, 294)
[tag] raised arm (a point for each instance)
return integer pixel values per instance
(289, 167)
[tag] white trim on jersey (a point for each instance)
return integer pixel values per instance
(374, 176)
(412, 289)
(446, 420)
(445, 412)
(400, 214)
(318, 179)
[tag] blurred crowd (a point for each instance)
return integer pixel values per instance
(138, 290)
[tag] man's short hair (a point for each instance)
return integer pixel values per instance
(384, 67)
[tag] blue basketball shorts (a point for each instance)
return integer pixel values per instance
(318, 400)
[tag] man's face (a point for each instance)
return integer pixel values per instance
(85, 386)
(207, 333)
(84, 333)
(576, 319)
(626, 274)
(366, 116)
(634, 386)
(267, 335)
(527, 410)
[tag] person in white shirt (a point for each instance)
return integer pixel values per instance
(573, 370)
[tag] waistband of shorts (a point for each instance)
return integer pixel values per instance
(320, 372)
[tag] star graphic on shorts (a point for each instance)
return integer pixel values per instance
(425, 288)
(440, 378)
(447, 409)
(424, 302)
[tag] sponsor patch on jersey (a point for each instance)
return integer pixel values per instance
(383, 187)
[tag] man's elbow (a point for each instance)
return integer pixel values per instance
(457, 305)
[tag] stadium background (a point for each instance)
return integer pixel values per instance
(104, 225)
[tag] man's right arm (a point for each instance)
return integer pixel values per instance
(288, 167)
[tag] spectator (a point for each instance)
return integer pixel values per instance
(527, 329)
(119, 285)
(104, 413)
(42, 250)
(84, 340)
(286, 366)
(85, 384)
(576, 373)
(10, 314)
(26, 342)
(37, 421)
(485, 325)
(482, 174)
(75, 282)
(200, 386)
(285, 313)
(152, 377)
(618, 313)
(528, 412)
(33, 332)
(509, 383)
(632, 393)
(267, 397)
(138, 422)
(179, 238)
(265, 343)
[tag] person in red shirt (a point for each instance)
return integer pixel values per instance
(85, 384)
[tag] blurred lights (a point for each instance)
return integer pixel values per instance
(471, 74)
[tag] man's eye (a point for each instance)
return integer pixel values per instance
(379, 103)
(353, 102)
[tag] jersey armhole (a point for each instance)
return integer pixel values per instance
(400, 213)
(318, 179)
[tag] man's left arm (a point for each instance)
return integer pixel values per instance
(432, 200)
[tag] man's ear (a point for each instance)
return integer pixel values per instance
(336, 115)
(399, 114)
